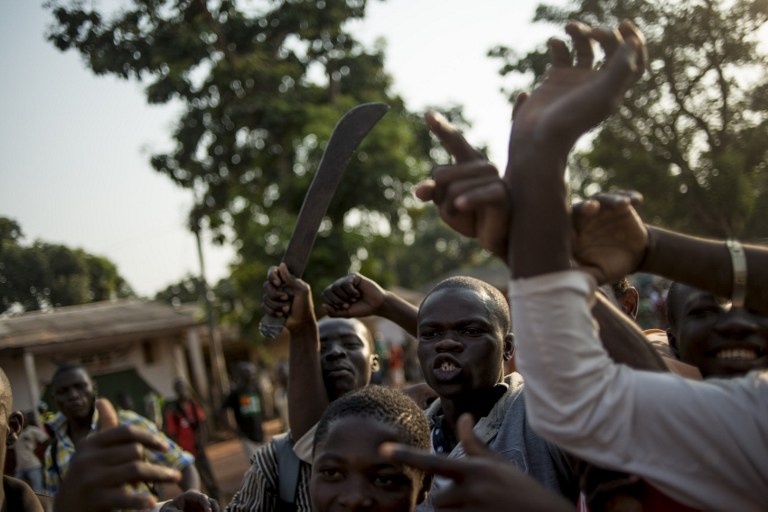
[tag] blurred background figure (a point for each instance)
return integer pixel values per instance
(153, 407)
(185, 424)
(29, 448)
(246, 402)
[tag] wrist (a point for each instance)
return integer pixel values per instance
(648, 251)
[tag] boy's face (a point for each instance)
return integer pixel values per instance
(345, 356)
(718, 341)
(74, 394)
(460, 343)
(348, 473)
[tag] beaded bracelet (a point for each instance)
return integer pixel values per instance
(739, 264)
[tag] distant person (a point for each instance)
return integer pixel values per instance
(246, 402)
(124, 401)
(154, 404)
(185, 424)
(29, 467)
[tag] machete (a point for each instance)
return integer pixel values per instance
(347, 135)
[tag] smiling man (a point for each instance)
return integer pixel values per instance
(721, 341)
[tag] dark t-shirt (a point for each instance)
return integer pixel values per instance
(19, 497)
(248, 413)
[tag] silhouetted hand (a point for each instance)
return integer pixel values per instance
(353, 296)
(470, 195)
(191, 501)
(482, 481)
(103, 466)
(609, 237)
(288, 296)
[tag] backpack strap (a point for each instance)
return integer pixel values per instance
(288, 465)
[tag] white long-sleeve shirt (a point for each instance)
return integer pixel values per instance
(703, 443)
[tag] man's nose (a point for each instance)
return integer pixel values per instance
(448, 344)
(335, 351)
(738, 322)
(356, 496)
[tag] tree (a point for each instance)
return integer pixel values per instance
(262, 85)
(42, 276)
(692, 135)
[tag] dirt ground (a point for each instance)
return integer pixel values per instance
(229, 464)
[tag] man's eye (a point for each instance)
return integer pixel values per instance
(390, 481)
(472, 331)
(352, 345)
(331, 474)
(703, 312)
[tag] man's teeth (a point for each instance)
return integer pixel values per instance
(737, 353)
(447, 366)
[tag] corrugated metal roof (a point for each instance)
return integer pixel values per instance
(98, 320)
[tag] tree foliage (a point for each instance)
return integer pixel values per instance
(692, 134)
(262, 84)
(43, 275)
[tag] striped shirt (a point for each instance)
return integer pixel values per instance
(175, 457)
(259, 489)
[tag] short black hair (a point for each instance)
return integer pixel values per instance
(493, 298)
(621, 286)
(387, 405)
(359, 326)
(69, 367)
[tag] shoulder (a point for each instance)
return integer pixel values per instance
(264, 466)
(19, 496)
(127, 417)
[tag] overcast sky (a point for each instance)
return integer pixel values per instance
(75, 147)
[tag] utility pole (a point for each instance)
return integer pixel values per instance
(220, 380)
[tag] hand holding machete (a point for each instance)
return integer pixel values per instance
(347, 135)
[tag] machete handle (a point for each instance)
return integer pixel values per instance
(271, 326)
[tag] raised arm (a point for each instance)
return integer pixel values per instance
(573, 98)
(290, 297)
(648, 424)
(355, 296)
(611, 241)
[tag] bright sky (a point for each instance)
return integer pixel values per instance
(75, 147)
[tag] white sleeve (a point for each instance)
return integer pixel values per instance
(703, 443)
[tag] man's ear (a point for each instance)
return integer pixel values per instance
(426, 485)
(672, 339)
(15, 426)
(630, 300)
(374, 362)
(509, 346)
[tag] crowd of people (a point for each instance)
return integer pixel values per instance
(570, 406)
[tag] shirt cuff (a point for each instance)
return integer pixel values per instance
(553, 282)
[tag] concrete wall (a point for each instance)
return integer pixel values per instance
(158, 361)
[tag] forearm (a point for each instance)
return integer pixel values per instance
(706, 264)
(399, 311)
(634, 421)
(539, 233)
(623, 340)
(190, 479)
(307, 398)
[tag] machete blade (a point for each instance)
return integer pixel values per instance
(350, 130)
